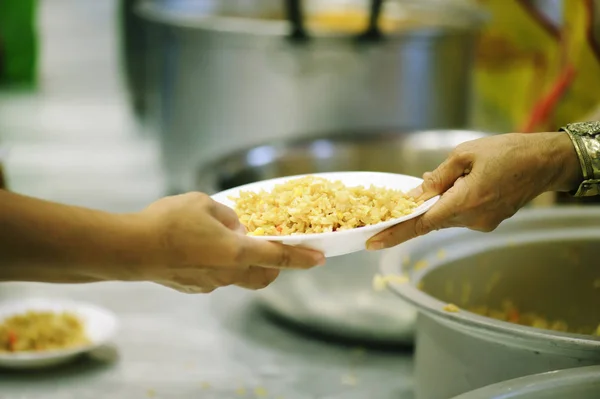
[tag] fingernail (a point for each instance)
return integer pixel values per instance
(375, 246)
(321, 261)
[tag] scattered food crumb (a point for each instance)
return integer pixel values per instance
(441, 254)
(205, 385)
(406, 260)
(422, 264)
(151, 393)
(452, 308)
(380, 282)
(260, 392)
(241, 391)
(349, 380)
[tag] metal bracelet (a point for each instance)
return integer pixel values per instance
(587, 145)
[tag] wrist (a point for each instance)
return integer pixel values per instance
(563, 160)
(129, 249)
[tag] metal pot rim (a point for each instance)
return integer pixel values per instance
(519, 336)
(532, 383)
(156, 12)
(340, 137)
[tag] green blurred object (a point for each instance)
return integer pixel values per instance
(18, 43)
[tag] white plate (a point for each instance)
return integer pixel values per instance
(338, 242)
(100, 327)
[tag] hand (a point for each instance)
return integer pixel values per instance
(202, 246)
(486, 181)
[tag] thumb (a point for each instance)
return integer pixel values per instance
(441, 215)
(227, 217)
(442, 178)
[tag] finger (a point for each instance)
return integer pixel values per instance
(190, 289)
(241, 229)
(443, 177)
(226, 216)
(256, 278)
(274, 255)
(443, 214)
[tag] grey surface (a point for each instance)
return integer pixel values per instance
(545, 261)
(174, 344)
(339, 300)
(76, 142)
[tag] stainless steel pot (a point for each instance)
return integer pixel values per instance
(223, 77)
(337, 299)
(577, 383)
(544, 260)
(133, 54)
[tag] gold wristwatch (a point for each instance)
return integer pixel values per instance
(586, 139)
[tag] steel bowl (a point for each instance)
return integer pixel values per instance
(544, 260)
(337, 299)
(577, 383)
(222, 76)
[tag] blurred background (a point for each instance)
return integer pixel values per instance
(112, 104)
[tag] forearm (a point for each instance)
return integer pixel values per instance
(48, 242)
(562, 161)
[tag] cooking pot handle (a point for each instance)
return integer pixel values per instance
(298, 33)
(373, 32)
(296, 19)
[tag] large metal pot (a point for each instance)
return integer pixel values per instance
(577, 383)
(544, 260)
(223, 77)
(337, 299)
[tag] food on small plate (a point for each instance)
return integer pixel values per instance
(44, 332)
(312, 204)
(35, 331)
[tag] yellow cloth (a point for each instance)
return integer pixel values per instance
(521, 56)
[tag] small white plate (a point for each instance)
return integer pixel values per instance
(100, 327)
(338, 242)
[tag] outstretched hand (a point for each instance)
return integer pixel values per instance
(203, 246)
(486, 181)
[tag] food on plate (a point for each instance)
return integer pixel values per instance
(511, 313)
(311, 204)
(36, 331)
